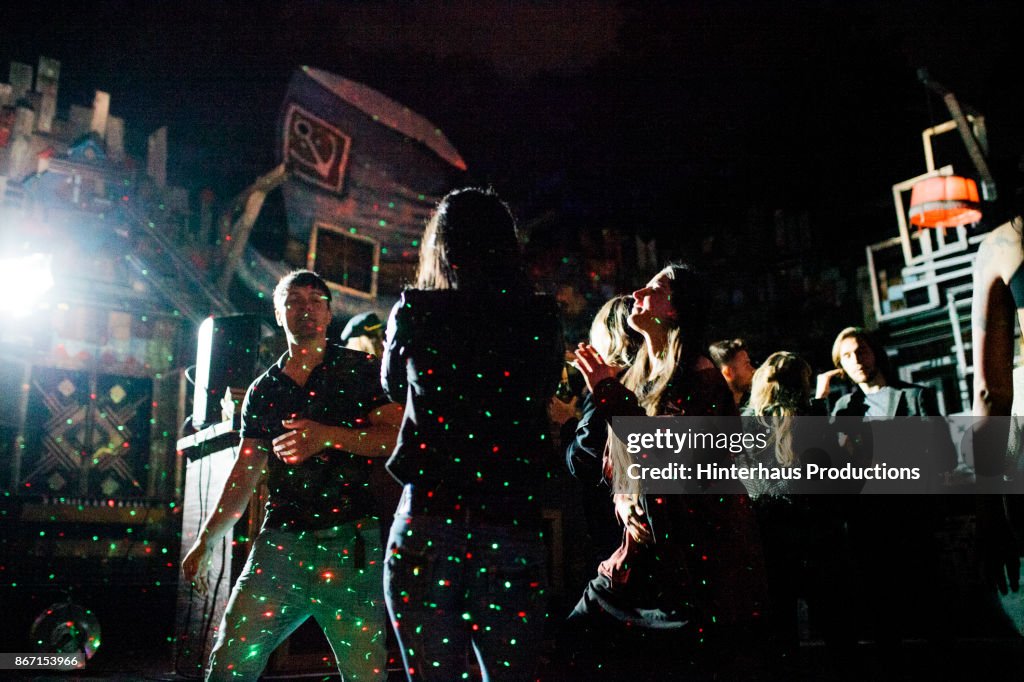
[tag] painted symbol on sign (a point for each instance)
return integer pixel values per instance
(315, 150)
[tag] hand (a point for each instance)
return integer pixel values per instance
(593, 367)
(632, 516)
(196, 564)
(306, 438)
(857, 446)
(824, 382)
(560, 412)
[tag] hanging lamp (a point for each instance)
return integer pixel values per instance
(951, 200)
(945, 201)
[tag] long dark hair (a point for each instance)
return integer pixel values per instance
(470, 242)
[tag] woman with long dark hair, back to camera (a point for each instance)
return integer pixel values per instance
(475, 356)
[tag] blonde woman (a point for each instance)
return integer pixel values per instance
(611, 335)
(585, 439)
(806, 551)
(781, 390)
(618, 343)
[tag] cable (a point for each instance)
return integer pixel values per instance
(202, 491)
(187, 424)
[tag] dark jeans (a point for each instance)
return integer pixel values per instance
(452, 584)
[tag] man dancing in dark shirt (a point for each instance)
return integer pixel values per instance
(321, 413)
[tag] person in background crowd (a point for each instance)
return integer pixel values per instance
(878, 392)
(733, 361)
(583, 440)
(893, 535)
(364, 332)
(613, 338)
(806, 549)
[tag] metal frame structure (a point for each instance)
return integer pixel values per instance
(936, 263)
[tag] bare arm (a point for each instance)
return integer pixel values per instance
(375, 437)
(249, 467)
(992, 320)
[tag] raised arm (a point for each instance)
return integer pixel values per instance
(610, 397)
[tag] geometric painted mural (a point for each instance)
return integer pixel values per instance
(86, 435)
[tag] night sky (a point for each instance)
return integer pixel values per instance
(671, 117)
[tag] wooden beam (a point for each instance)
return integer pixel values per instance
(252, 199)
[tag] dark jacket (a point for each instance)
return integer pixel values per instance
(585, 444)
(930, 440)
(914, 401)
(476, 372)
(707, 549)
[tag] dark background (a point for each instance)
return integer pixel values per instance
(674, 116)
(678, 121)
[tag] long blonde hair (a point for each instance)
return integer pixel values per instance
(648, 378)
(371, 345)
(780, 391)
(611, 335)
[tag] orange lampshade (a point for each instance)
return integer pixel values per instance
(948, 201)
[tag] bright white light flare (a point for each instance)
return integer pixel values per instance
(24, 280)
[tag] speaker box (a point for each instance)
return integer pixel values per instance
(227, 356)
(211, 456)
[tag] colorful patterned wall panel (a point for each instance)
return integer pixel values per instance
(86, 435)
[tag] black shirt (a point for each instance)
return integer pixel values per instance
(333, 487)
